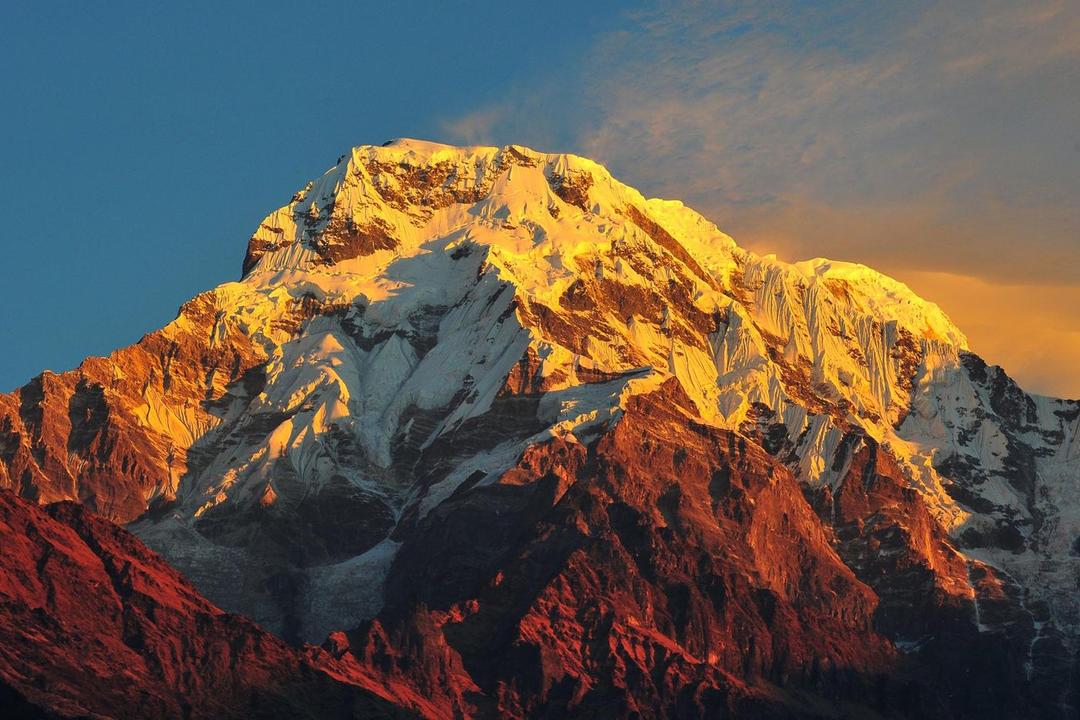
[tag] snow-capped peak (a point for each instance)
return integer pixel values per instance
(461, 304)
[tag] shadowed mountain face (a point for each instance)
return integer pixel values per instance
(95, 625)
(523, 443)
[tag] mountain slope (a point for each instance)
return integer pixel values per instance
(95, 625)
(417, 322)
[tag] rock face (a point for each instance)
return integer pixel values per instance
(539, 445)
(95, 625)
(656, 573)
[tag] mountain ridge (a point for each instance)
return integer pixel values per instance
(420, 320)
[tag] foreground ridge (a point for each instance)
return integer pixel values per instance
(538, 444)
(95, 625)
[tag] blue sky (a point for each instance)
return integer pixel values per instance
(142, 143)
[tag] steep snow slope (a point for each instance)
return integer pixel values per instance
(416, 318)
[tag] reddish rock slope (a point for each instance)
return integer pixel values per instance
(92, 624)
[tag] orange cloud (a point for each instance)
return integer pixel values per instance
(1030, 328)
(1033, 331)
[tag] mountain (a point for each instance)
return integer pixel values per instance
(95, 625)
(541, 445)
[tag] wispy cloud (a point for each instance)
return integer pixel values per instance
(475, 128)
(942, 121)
(916, 137)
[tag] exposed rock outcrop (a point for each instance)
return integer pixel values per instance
(92, 624)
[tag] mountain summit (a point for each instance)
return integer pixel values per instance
(542, 445)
